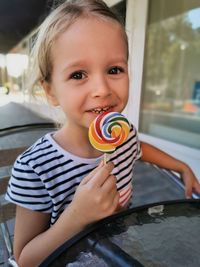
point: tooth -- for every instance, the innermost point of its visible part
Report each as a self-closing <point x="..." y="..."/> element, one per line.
<point x="100" y="110"/>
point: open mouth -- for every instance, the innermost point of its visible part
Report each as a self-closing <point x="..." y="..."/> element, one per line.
<point x="100" y="110"/>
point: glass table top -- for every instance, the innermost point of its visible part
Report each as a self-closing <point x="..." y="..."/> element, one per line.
<point x="165" y="234"/>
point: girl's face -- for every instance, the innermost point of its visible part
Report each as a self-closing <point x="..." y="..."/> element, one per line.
<point x="90" y="71"/>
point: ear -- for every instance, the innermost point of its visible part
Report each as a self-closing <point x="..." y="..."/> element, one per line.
<point x="50" y="93"/>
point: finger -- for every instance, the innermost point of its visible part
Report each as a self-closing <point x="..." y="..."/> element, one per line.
<point x="116" y="201"/>
<point x="91" y="174"/>
<point x="102" y="175"/>
<point x="113" y="201"/>
<point x="110" y="184"/>
<point x="188" y="189"/>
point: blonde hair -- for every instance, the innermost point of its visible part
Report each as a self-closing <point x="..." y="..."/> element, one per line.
<point x="57" y="23"/>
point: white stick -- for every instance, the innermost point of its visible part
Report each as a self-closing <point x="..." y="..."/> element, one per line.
<point x="105" y="158"/>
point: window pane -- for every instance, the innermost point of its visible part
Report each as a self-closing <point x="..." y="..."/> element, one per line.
<point x="170" y="107"/>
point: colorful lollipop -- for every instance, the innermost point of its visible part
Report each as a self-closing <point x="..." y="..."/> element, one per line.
<point x="108" y="131"/>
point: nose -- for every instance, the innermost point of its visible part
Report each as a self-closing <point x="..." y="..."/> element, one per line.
<point x="100" y="87"/>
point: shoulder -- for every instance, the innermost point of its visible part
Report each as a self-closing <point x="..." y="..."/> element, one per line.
<point x="41" y="148"/>
<point x="131" y="142"/>
<point x="132" y="138"/>
<point x="24" y="166"/>
<point x="133" y="130"/>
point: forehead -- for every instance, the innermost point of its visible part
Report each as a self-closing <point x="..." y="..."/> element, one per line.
<point x="91" y="32"/>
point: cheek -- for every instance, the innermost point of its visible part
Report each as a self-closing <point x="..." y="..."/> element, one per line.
<point x="126" y="96"/>
<point x="125" y="89"/>
<point x="71" y="99"/>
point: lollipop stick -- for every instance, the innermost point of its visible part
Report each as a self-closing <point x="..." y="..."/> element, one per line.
<point x="105" y="158"/>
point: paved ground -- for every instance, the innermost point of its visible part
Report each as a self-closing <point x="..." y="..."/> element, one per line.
<point x="150" y="185"/>
<point x="14" y="114"/>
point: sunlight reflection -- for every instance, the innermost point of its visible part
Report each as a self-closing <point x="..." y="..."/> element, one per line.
<point x="16" y="64"/>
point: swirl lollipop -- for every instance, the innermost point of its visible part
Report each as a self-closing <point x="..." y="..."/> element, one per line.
<point x="108" y="131"/>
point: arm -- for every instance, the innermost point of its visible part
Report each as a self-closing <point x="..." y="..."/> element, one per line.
<point x="95" y="198"/>
<point x="34" y="240"/>
<point x="155" y="156"/>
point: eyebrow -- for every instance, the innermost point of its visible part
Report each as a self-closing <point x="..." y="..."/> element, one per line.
<point x="73" y="65"/>
<point x="78" y="64"/>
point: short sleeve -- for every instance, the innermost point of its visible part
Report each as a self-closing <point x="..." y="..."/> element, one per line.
<point x="26" y="189"/>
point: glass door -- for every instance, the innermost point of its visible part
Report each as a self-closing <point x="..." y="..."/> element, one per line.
<point x="170" y="98"/>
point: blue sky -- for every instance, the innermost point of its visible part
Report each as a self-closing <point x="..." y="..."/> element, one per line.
<point x="194" y="17"/>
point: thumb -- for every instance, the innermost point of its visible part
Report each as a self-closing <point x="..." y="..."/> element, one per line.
<point x="87" y="178"/>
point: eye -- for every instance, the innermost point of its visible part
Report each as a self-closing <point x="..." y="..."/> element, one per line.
<point x="115" y="70"/>
<point x="77" y="75"/>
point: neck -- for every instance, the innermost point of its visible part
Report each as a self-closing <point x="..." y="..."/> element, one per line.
<point x="76" y="142"/>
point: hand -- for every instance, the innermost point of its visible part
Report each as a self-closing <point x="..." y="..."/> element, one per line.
<point x="96" y="197"/>
<point x="190" y="181"/>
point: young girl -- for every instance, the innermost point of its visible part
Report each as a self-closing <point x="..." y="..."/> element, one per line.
<point x="60" y="184"/>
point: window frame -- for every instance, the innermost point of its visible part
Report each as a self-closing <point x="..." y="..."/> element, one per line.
<point x="136" y="25"/>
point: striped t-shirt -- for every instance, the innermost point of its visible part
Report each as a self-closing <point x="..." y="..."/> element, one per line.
<point x="45" y="177"/>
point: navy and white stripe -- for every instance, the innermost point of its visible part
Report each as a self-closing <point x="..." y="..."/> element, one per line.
<point x="45" y="177"/>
